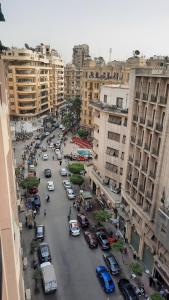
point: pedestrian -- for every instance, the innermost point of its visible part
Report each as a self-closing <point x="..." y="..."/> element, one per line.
<point x="68" y="217"/>
<point x="151" y="281"/>
<point x="70" y="210"/>
<point x="53" y="158"/>
<point x="44" y="212"/>
<point x="39" y="179"/>
<point x="60" y="162"/>
<point x="34" y="213"/>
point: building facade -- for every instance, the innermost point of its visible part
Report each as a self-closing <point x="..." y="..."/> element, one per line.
<point x="35" y="81"/>
<point x="80" y="53"/>
<point x="145" y="189"/>
<point x="11" y="277"/>
<point x="110" y="130"/>
<point x="72" y="76"/>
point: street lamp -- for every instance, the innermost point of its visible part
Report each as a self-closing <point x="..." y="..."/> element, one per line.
<point x="2" y="19"/>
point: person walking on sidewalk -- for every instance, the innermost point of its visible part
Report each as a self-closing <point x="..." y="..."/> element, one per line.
<point x="44" y="212"/>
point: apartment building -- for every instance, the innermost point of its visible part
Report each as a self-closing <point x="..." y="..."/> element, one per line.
<point x="11" y="277"/>
<point x="94" y="76"/>
<point x="72" y="76"/>
<point x="80" y="53"/>
<point x="35" y="81"/>
<point x="110" y="130"/>
<point x="145" y="189"/>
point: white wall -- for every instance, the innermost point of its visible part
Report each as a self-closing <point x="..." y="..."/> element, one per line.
<point x="113" y="92"/>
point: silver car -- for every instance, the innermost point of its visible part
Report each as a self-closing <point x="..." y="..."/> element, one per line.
<point x="70" y="194"/>
<point x="63" y="172"/>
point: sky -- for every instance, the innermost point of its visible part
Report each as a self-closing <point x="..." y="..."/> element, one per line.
<point x="123" y="25"/>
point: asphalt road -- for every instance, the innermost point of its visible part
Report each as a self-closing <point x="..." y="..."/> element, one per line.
<point x="73" y="261"/>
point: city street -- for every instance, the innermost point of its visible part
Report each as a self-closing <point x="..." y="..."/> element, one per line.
<point x="73" y="261"/>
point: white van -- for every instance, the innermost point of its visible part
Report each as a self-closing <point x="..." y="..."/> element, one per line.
<point x="48" y="278"/>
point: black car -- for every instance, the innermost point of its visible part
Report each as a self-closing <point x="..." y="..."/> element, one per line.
<point x="44" y="253"/>
<point x="47" y="173"/>
<point x="103" y="240"/>
<point x="40" y="232"/>
<point x="37" y="202"/>
<point x="112" y="263"/>
<point x="91" y="239"/>
<point x="127" y="289"/>
<point x="83" y="221"/>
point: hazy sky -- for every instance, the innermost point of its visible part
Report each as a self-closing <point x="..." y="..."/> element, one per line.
<point x="123" y="25"/>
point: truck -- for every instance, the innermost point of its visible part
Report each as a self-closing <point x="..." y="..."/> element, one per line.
<point x="48" y="278"/>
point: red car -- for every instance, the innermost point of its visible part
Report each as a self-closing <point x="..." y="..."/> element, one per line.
<point x="82" y="158"/>
<point x="33" y="190"/>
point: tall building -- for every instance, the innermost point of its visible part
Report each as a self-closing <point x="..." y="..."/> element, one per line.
<point x="35" y="81"/>
<point x="72" y="77"/>
<point x="80" y="53"/>
<point x="11" y="277"/>
<point x="145" y="189"/>
<point x="109" y="142"/>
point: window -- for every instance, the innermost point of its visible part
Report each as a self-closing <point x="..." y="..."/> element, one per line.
<point x="85" y="94"/>
<point x="119" y="102"/>
<point x="114" y="120"/>
<point x="85" y="84"/>
<point x="112" y="152"/>
<point x="111" y="167"/>
<point x="105" y="98"/>
<point x="122" y="156"/>
<point x="124" y="139"/>
<point x="121" y="171"/>
<point x="96" y="95"/>
<point x="114" y="136"/>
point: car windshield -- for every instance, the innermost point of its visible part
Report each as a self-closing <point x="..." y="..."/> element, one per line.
<point x="39" y="230"/>
<point x="104" y="237"/>
<point x="45" y="251"/>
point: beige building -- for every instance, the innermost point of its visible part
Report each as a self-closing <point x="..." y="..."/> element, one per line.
<point x="72" y="76"/>
<point x="11" y="276"/>
<point x="145" y="190"/>
<point x="80" y="53"/>
<point x="35" y="81"/>
<point x="110" y="130"/>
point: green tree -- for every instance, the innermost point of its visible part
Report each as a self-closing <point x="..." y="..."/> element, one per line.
<point x="156" y="296"/>
<point x="136" y="268"/>
<point x="102" y="216"/>
<point x="76" y="108"/>
<point x="76" y="168"/>
<point x="77" y="179"/>
<point x="29" y="182"/>
<point x="67" y="120"/>
<point x="83" y="133"/>
<point x="118" y="246"/>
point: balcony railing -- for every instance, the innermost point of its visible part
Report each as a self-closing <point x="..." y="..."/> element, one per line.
<point x="152" y="174"/>
<point x="137" y="163"/>
<point x="135" y="118"/>
<point x="159" y="127"/>
<point x="155" y="152"/>
<point x="139" y="143"/>
<point x="137" y="95"/>
<point x="153" y="98"/>
<point x="147" y="147"/>
<point x="163" y="100"/>
<point x="149" y="123"/>
<point x="133" y="139"/>
<point x="145" y="97"/>
<point x="142" y="120"/>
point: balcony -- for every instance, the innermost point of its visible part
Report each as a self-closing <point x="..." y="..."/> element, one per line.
<point x="130" y="158"/>
<point x="152" y="175"/>
<point x="159" y="127"/>
<point x="163" y="100"/>
<point x="142" y="120"/>
<point x="149" y="195"/>
<point x="129" y="177"/>
<point x="145" y="97"/>
<point x="146" y="147"/>
<point x="155" y="152"/>
<point x="149" y="124"/>
<point x="139" y="143"/>
<point x="135" y="182"/>
<point x="153" y="99"/>
<point x="137" y="95"/>
<point x="144" y="169"/>
<point x="137" y="163"/>
<point x="133" y="139"/>
<point x="135" y="118"/>
<point x="141" y="189"/>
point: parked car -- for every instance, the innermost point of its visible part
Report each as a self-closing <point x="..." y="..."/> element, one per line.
<point x="47" y="133"/>
<point x="83" y="221"/>
<point x="45" y="156"/>
<point x="111" y="263"/>
<point x="51" y="186"/>
<point x="37" y="202"/>
<point x="57" y="151"/>
<point x="33" y="190"/>
<point x="57" y="145"/>
<point x="60" y="126"/>
<point x="63" y="172"/>
<point x="59" y="156"/>
<point x="48" y="278"/>
<point x="44" y="253"/>
<point x="67" y="184"/>
<point x="44" y="149"/>
<point x="103" y="240"/>
<point x="105" y="279"/>
<point x="91" y="239"/>
<point x="70" y="194"/>
<point x="127" y="289"/>
<point x="40" y="232"/>
<point x="51" y="145"/>
<point x="74" y="228"/>
<point x="47" y="173"/>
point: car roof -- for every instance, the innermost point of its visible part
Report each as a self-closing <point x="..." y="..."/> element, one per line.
<point x="72" y="221"/>
<point x="50" y="182"/>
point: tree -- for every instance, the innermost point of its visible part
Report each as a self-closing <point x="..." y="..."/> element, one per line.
<point x="118" y="246"/>
<point x="77" y="179"/>
<point x="83" y="133"/>
<point x="136" y="268"/>
<point x="76" y="168"/>
<point x="67" y="120"/>
<point x="76" y="108"/>
<point x="102" y="216"/>
<point x="37" y="277"/>
<point x="156" y="296"/>
<point x="29" y="182"/>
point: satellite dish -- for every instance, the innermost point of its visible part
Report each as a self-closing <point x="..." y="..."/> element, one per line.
<point x="136" y="52"/>
<point x="26" y="46"/>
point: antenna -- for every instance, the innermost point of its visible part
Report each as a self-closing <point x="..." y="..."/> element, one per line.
<point x="110" y="53"/>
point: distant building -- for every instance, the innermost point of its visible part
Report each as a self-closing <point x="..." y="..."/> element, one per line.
<point x="35" y="81"/>
<point x="80" y="53"/>
<point x="72" y="77"/>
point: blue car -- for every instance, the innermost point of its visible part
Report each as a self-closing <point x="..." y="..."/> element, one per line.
<point x="105" y="279"/>
<point x="37" y="202"/>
